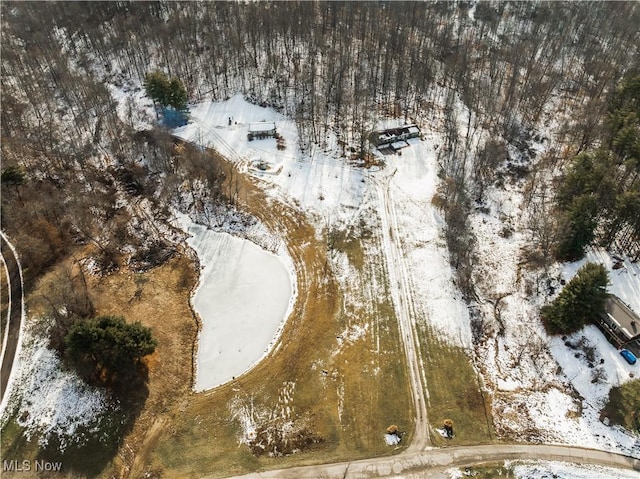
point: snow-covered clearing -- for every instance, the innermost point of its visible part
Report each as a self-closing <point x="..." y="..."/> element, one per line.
<point x="338" y="195"/>
<point x="52" y="403"/>
<point x="243" y="299"/>
<point x="316" y="180"/>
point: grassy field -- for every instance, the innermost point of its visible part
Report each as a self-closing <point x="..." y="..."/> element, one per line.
<point x="454" y="393"/>
<point x="163" y="304"/>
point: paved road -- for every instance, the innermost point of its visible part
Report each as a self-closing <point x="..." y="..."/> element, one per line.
<point x="10" y="342"/>
<point x="432" y="463"/>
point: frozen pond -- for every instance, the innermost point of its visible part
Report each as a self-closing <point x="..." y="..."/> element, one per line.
<point x="242" y="299"/>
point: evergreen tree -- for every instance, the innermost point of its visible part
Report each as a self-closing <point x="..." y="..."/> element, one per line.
<point x="580" y="302"/>
<point x="157" y="86"/>
<point x="176" y="95"/>
<point x="589" y="173"/>
<point x="601" y="188"/>
<point x="165" y="91"/>
<point x="12" y="175"/>
<point x="624" y="120"/>
<point x="623" y="405"/>
<point x="106" y="348"/>
<point x="577" y="226"/>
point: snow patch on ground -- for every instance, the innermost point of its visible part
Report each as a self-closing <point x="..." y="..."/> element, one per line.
<point x="51" y="402"/>
<point x="591" y="363"/>
<point x="133" y="107"/>
<point x="547" y="469"/>
<point x="392" y="439"/>
<point x="552" y="469"/>
<point x="353" y="333"/>
<point x="248" y="415"/>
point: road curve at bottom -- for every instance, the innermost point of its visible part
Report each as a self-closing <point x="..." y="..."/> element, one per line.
<point x="434" y="461"/>
<point x="14" y="324"/>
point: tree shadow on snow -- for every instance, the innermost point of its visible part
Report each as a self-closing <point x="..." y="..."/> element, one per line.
<point x="93" y="447"/>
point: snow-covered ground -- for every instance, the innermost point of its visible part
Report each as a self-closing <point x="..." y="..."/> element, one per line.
<point x="318" y="181"/>
<point x="243" y="298"/>
<point x="411" y="181"/>
<point x="546" y="389"/>
<point x="51" y="402"/>
<point x="555" y="470"/>
<point x="336" y="193"/>
<point x="134" y="108"/>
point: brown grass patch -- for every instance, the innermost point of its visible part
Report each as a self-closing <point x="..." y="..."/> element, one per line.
<point x="4" y="299"/>
<point x="159" y="299"/>
<point x="455" y="393"/>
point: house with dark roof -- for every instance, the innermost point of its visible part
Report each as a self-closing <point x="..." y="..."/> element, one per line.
<point x="394" y="138"/>
<point x="621" y="324"/>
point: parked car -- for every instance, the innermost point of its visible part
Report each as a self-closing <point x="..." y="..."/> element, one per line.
<point x="628" y="356"/>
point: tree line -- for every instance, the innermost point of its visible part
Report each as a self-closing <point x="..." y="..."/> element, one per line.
<point x="338" y="66"/>
<point x="598" y="197"/>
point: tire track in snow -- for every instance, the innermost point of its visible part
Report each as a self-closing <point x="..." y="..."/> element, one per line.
<point x="216" y="141"/>
<point x="401" y="295"/>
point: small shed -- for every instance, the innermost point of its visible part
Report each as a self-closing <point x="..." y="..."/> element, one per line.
<point x="413" y="131"/>
<point x="262" y="129"/>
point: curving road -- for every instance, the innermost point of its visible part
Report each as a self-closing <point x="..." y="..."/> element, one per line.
<point x="432" y="463"/>
<point x="11" y="335"/>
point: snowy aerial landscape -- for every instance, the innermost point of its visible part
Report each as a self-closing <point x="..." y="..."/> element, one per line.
<point x="301" y="261"/>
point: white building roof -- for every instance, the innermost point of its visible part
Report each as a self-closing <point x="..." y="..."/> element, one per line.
<point x="399" y="144"/>
<point x="262" y="126"/>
